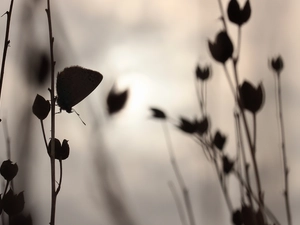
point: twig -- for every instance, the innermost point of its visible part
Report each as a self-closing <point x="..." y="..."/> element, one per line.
<point x="52" y="158"/>
<point x="6" y="44"/>
<point x="179" y="177"/>
<point x="284" y="156"/>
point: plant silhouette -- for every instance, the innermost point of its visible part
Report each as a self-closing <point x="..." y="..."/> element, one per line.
<point x="249" y="101"/>
<point x="74" y="83"/>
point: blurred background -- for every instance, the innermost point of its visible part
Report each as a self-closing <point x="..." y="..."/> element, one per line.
<point x="119" y="168"/>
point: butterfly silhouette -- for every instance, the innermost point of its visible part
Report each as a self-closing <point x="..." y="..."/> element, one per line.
<point x="74" y="84"/>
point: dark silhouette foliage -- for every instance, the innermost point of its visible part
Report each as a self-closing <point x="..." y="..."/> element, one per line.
<point x="62" y="151"/>
<point x="158" y="114"/>
<point x="252" y="98"/>
<point x="116" y="100"/>
<point x="236" y="14"/>
<point x="41" y="107"/>
<point x="8" y="170"/>
<point x="221" y="49"/>
<point x="13" y="204"/>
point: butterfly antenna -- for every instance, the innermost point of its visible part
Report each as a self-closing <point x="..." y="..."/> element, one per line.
<point x="78" y="116"/>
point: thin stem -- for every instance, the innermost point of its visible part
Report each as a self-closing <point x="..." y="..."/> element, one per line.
<point x="284" y="156"/>
<point x="44" y="134"/>
<point x="52" y="158"/>
<point x="179" y="177"/>
<point x="239" y="155"/>
<point x="254" y="132"/>
<point x="6" y="44"/>
<point x="244" y="160"/>
<point x="60" y="177"/>
<point x="177" y="202"/>
<point x="250" y="143"/>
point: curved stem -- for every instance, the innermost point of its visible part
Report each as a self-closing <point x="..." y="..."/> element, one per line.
<point x="6" y="44"/>
<point x="60" y="177"/>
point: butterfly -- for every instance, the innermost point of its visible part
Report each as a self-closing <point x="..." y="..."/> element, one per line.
<point x="74" y="84"/>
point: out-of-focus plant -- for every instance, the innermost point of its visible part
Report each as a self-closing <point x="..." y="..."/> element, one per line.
<point x="249" y="101"/>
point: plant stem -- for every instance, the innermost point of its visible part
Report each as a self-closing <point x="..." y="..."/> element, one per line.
<point x="52" y="158"/>
<point x="60" y="177"/>
<point x="44" y="134"/>
<point x="254" y="132"/>
<point x="6" y="44"/>
<point x="223" y="185"/>
<point x="179" y="177"/>
<point x="284" y="156"/>
<point x="244" y="160"/>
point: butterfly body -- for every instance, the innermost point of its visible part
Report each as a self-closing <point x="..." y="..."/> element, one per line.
<point x="74" y="84"/>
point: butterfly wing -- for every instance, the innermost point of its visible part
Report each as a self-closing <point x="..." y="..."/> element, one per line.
<point x="74" y="84"/>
